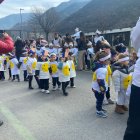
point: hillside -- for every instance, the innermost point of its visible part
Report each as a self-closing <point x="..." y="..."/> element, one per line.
<point x="63" y="10"/>
<point x="9" y="21"/>
<point x="66" y="9"/>
<point x="102" y="14"/>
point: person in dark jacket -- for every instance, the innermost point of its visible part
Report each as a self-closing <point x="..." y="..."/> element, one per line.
<point x="19" y="45"/>
<point x="82" y="46"/>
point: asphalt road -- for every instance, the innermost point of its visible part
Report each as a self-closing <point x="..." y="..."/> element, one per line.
<point x="32" y="115"/>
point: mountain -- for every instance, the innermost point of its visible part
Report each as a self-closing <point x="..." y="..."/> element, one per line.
<point x="9" y="21"/>
<point x="102" y="15"/>
<point x="66" y="9"/>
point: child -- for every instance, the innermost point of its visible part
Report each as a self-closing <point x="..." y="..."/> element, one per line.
<point x="100" y="81"/>
<point x="8" y="65"/>
<point x="107" y="48"/>
<point x="31" y="66"/>
<point x="14" y="67"/>
<point x="54" y="71"/>
<point x="2" y="67"/>
<point x="64" y="73"/>
<point x="121" y="79"/>
<point x="74" y="51"/>
<point x="72" y="70"/>
<point x="52" y="49"/>
<point x="44" y="75"/>
<point x="90" y="54"/>
<point x="23" y="61"/>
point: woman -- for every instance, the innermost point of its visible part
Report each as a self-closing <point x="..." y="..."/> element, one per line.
<point x="82" y="45"/>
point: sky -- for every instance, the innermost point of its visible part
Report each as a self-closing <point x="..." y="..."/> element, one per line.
<point x="13" y="6"/>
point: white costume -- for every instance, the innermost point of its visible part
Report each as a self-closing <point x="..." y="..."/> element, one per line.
<point x="100" y="73"/>
<point x="31" y="65"/>
<point x="43" y="67"/>
<point x="121" y="81"/>
<point x="72" y="69"/>
<point x="23" y="60"/>
<point x="64" y="74"/>
<point x="54" y="68"/>
<point x="2" y="59"/>
<point x="14" y="68"/>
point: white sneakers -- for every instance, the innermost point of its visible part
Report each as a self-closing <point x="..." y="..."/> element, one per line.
<point x="46" y="91"/>
<point x="54" y="89"/>
<point x="42" y="90"/>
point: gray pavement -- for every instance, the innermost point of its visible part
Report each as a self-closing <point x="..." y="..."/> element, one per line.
<point x="32" y="115"/>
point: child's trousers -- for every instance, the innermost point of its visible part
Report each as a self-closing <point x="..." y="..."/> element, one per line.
<point x="72" y="81"/>
<point x="44" y="84"/>
<point x="64" y="86"/>
<point x="99" y="100"/>
<point x="55" y="81"/>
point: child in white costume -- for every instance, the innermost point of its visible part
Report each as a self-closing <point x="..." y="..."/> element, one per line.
<point x="23" y="62"/>
<point x="44" y="74"/>
<point x="64" y="74"/>
<point x="14" y="67"/>
<point x="72" y="70"/>
<point x="31" y="67"/>
<point x="100" y="81"/>
<point x="2" y="67"/>
<point x="121" y="79"/>
<point x="54" y="71"/>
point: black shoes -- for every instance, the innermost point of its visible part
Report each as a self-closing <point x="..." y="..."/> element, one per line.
<point x="1" y="123"/>
<point x="65" y="93"/>
<point x="31" y="88"/>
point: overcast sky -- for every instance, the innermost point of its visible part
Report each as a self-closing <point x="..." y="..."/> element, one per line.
<point x="13" y="6"/>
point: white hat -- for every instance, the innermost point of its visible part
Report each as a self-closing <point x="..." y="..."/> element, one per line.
<point x="89" y="43"/>
<point x="98" y="32"/>
<point x="52" y="54"/>
<point x="77" y="29"/>
<point x="71" y="44"/>
<point x="51" y="44"/>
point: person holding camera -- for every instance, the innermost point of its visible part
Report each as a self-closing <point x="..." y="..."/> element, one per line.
<point x="6" y="43"/>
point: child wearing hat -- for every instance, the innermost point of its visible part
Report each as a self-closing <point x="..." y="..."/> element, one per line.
<point x="100" y="81"/>
<point x="43" y="67"/>
<point x="54" y="71"/>
<point x="107" y="48"/>
<point x="31" y="67"/>
<point x="23" y="62"/>
<point x="64" y="73"/>
<point x="121" y="79"/>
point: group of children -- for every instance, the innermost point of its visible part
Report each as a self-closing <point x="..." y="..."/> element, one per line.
<point x="47" y="62"/>
<point x="42" y="66"/>
<point x="116" y="64"/>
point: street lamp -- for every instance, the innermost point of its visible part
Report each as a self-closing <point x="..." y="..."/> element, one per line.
<point x="21" y="22"/>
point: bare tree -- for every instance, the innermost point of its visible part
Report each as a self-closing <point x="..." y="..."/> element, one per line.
<point x="44" y="21"/>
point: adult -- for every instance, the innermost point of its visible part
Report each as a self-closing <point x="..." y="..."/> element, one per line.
<point x="57" y="41"/>
<point x="6" y="46"/>
<point x="82" y="46"/>
<point x="19" y="45"/>
<point x="98" y="37"/>
<point x="133" y="125"/>
<point x="77" y="34"/>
